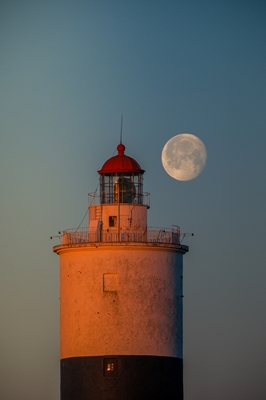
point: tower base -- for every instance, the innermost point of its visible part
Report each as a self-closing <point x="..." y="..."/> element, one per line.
<point x="122" y="378"/>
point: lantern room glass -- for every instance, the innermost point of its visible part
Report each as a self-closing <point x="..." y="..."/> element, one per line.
<point x="123" y="188"/>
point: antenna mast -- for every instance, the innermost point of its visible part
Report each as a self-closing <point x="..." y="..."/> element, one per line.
<point x="121" y="129"/>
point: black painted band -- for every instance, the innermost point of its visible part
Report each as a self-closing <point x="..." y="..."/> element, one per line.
<point x="122" y="378"/>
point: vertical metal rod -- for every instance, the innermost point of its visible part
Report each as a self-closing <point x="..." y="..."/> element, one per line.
<point x="121" y="128"/>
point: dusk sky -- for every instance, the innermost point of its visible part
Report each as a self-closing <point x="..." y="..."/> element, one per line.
<point x="68" y="70"/>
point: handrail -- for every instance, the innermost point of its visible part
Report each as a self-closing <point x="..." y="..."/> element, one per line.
<point x="84" y="235"/>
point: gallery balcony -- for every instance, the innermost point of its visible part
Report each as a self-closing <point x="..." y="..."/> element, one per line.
<point x="159" y="236"/>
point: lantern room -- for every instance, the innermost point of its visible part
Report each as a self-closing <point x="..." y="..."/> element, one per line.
<point x="121" y="180"/>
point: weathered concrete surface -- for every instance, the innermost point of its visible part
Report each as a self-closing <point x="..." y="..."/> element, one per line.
<point x="123" y="300"/>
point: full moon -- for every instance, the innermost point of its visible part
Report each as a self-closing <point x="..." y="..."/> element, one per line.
<point x="184" y="157"/>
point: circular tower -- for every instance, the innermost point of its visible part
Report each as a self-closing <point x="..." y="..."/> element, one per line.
<point x="121" y="296"/>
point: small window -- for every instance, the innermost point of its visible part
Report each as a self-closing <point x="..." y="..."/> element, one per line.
<point x="110" y="282"/>
<point x="113" y="221"/>
<point x="110" y="367"/>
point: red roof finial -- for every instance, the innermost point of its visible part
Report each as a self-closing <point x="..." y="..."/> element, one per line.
<point x="121" y="148"/>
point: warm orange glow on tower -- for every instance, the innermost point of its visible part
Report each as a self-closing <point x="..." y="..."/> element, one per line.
<point x="121" y="296"/>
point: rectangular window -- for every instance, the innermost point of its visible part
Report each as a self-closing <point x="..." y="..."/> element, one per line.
<point x="113" y="221"/>
<point x="110" y="367"/>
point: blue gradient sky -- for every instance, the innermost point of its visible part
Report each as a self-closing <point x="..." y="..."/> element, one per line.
<point x="67" y="72"/>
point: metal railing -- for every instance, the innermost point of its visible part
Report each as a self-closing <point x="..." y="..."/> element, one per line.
<point x="84" y="235"/>
<point x="109" y="198"/>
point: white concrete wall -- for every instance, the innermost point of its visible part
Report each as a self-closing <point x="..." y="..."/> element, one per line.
<point x="132" y="217"/>
<point x="122" y="300"/>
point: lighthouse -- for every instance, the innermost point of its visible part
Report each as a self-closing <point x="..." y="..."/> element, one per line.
<point x="121" y="297"/>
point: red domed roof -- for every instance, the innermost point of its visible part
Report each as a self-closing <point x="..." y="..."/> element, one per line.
<point x="120" y="163"/>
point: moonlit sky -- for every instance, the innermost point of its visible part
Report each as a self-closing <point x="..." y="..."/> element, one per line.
<point x="68" y="70"/>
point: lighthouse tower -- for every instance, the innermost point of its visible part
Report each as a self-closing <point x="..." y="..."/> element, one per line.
<point x="121" y="296"/>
